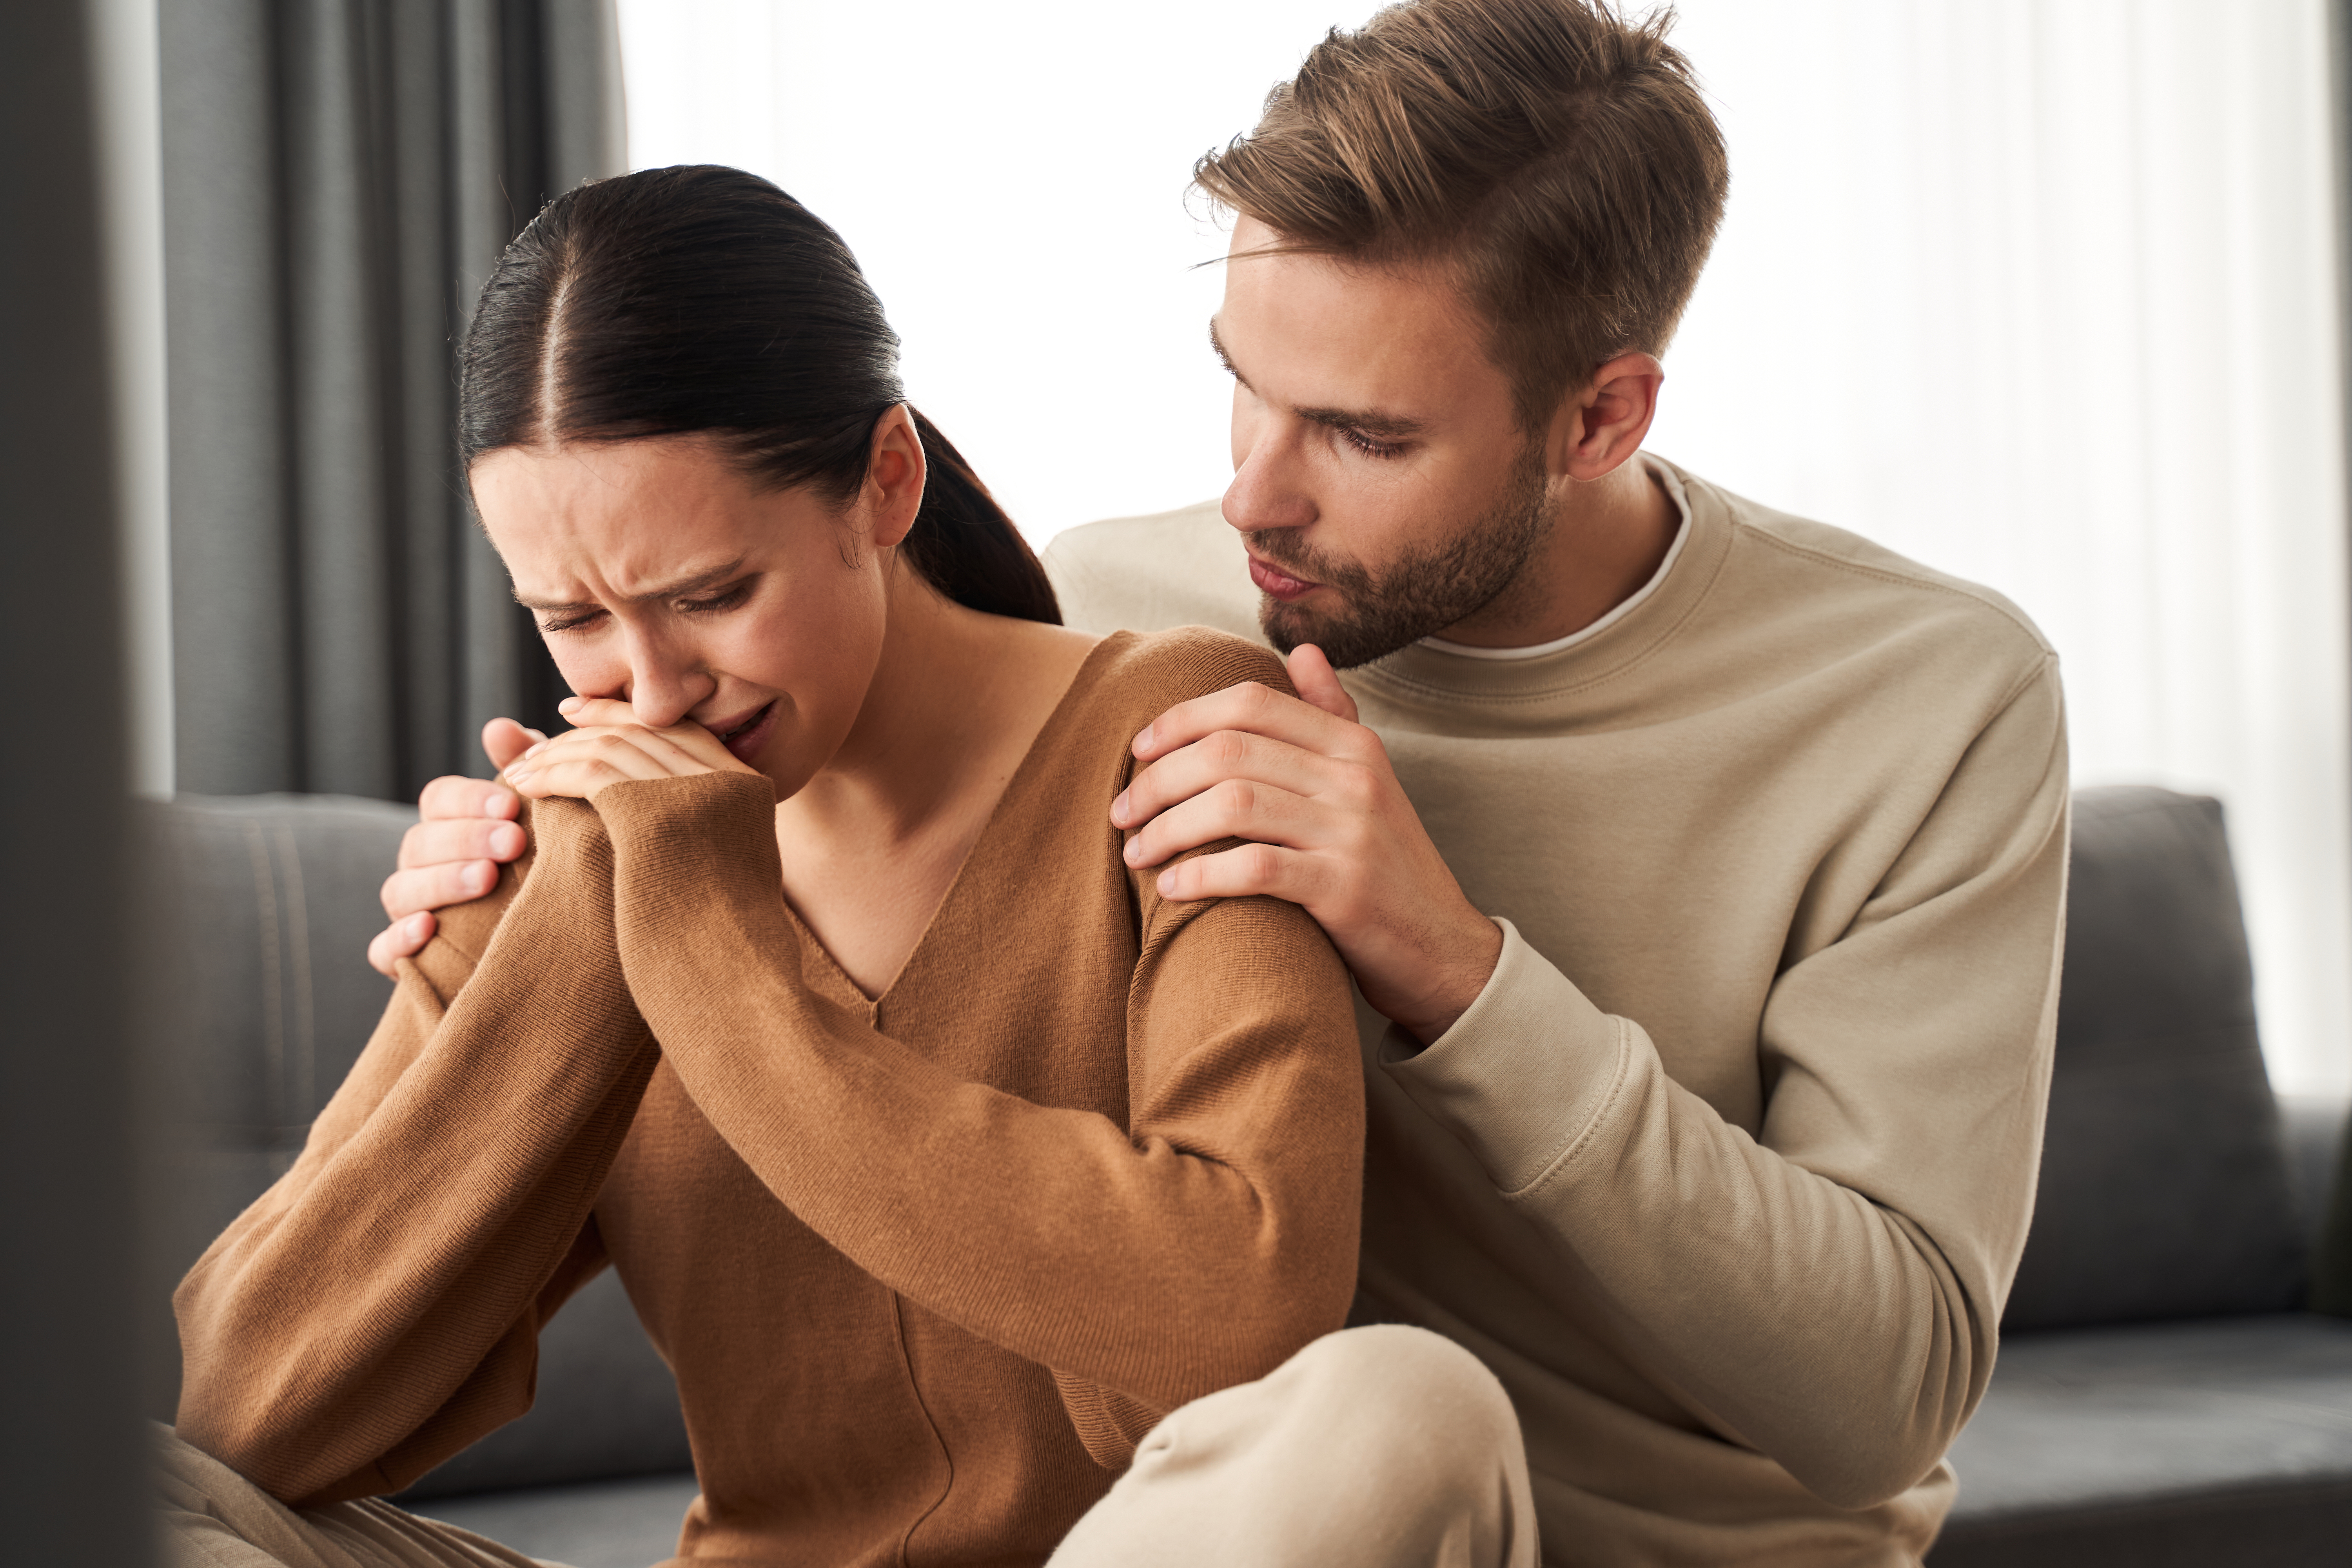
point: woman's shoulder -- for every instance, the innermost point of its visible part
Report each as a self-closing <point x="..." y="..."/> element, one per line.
<point x="1148" y="672"/>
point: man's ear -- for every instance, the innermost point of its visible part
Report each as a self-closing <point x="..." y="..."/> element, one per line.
<point x="1602" y="423"/>
<point x="895" y="474"/>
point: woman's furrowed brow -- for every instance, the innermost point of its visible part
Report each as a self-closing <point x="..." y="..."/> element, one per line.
<point x="717" y="576"/>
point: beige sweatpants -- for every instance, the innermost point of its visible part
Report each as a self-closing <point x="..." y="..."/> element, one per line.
<point x="1375" y="1447"/>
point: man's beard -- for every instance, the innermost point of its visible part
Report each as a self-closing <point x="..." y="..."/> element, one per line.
<point x="1419" y="594"/>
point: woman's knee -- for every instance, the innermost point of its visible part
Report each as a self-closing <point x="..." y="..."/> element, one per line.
<point x="1418" y="1386"/>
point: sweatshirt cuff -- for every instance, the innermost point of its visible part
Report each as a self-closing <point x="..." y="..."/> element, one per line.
<point x="1523" y="1074"/>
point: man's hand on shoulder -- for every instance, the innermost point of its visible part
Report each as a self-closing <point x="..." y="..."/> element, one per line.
<point x="1330" y="831"/>
<point x="466" y="828"/>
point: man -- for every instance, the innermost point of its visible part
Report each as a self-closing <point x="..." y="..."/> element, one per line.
<point x="1701" y="868"/>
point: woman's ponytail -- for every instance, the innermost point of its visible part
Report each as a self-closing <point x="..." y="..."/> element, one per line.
<point x="966" y="547"/>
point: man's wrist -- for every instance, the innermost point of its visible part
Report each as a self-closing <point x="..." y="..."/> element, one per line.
<point x="1473" y="952"/>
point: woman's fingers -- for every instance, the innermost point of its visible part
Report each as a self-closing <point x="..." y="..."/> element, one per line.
<point x="586" y="712"/>
<point x="503" y="740"/>
<point x="579" y="762"/>
<point x="692" y="740"/>
<point x="679" y="753"/>
<point x="400" y="939"/>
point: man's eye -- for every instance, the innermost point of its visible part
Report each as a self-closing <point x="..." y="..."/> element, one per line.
<point x="570" y="622"/>
<point x="1370" y="448"/>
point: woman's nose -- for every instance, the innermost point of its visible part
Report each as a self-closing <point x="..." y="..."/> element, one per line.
<point x="665" y="690"/>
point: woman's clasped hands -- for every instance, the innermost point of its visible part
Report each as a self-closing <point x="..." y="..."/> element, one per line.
<point x="608" y="746"/>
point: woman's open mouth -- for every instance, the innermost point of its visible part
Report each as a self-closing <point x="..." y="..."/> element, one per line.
<point x="744" y="740"/>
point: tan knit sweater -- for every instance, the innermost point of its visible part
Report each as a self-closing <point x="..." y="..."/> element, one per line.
<point x="1726" y="1171"/>
<point x="925" y="1266"/>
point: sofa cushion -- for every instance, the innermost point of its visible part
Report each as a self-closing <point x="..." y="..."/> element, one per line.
<point x="2224" y="1441"/>
<point x="2165" y="1189"/>
<point x="265" y="907"/>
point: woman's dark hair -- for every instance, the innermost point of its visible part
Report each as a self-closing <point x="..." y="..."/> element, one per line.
<point x="700" y="299"/>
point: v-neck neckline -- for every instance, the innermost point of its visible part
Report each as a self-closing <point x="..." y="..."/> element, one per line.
<point x="1079" y="680"/>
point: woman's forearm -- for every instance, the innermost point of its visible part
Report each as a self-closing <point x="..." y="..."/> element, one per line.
<point x="377" y="1308"/>
<point x="1196" y="1246"/>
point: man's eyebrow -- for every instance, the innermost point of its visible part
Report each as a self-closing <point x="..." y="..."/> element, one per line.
<point x="716" y="578"/>
<point x="1366" y="421"/>
<point x="1223" y="358"/>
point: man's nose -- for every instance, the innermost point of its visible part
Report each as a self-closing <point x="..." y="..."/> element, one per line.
<point x="1270" y="486"/>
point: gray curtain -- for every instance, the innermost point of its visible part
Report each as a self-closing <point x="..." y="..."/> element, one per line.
<point x="339" y="177"/>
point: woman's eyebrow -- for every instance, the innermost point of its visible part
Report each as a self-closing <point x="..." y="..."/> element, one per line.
<point x="715" y="577"/>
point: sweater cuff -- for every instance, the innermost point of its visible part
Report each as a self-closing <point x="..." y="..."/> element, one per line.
<point x="1523" y="1074"/>
<point x="693" y="835"/>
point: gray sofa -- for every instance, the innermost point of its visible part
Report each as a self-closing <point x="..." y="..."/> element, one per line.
<point x="2161" y="1398"/>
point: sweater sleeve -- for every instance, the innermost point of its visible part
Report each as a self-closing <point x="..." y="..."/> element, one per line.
<point x="378" y="1309"/>
<point x="1828" y="1292"/>
<point x="1196" y="1248"/>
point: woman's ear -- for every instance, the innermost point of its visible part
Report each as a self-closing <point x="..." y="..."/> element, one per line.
<point x="894" y="472"/>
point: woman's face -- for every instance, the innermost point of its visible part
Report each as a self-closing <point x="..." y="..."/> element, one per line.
<point x="660" y="577"/>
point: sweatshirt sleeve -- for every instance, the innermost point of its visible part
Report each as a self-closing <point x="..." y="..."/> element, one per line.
<point x="378" y="1309"/>
<point x="1198" y="1246"/>
<point x="1828" y="1292"/>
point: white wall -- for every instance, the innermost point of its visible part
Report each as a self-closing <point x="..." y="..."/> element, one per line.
<point x="2040" y="291"/>
<point x="1013" y="179"/>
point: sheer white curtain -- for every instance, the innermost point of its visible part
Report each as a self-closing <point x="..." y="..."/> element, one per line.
<point x="2041" y="292"/>
<point x="2044" y="293"/>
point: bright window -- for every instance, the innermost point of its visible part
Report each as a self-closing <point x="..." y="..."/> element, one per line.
<point x="2041" y="292"/>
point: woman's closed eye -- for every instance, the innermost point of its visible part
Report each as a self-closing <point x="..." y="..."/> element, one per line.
<point x="570" y="621"/>
<point x="727" y="598"/>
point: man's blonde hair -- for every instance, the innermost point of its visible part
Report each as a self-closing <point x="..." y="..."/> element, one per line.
<point x="1556" y="155"/>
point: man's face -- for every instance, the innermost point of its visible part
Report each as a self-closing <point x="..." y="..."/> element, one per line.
<point x="1382" y="482"/>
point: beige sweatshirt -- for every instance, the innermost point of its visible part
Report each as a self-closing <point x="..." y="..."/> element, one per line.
<point x="1727" y="1170"/>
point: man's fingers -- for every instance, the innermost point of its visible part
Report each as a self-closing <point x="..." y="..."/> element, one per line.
<point x="1212" y="759"/>
<point x="437" y="841"/>
<point x="455" y="795"/>
<point x="1318" y="683"/>
<point x="400" y="939"/>
<point x="1239" y="873"/>
<point x="1236" y="808"/>
<point x="1256" y="708"/>
<point x="436" y="887"/>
